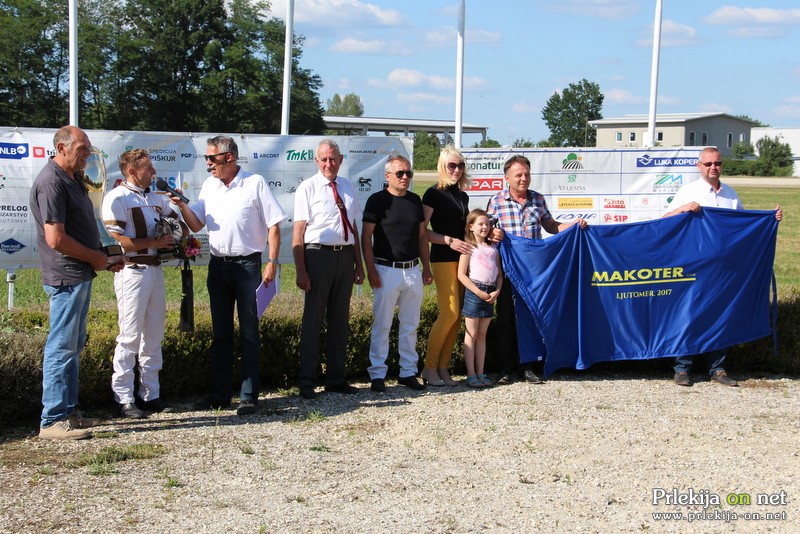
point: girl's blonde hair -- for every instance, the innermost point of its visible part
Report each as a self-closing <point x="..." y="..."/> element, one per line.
<point x="472" y="216"/>
<point x="441" y="168"/>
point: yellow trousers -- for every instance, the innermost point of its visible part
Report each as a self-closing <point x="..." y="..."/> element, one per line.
<point x="450" y="297"/>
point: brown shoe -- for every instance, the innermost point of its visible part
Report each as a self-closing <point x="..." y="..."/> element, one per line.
<point x="78" y="421"/>
<point x="682" y="379"/>
<point x="63" y="430"/>
<point x="723" y="378"/>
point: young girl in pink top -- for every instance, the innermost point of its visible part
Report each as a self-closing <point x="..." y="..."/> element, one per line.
<point x="482" y="276"/>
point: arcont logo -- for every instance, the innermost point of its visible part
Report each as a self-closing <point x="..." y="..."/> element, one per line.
<point x="572" y="162"/>
<point x="14" y="150"/>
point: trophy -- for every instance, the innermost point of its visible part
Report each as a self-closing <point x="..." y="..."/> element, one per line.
<point x="96" y="179"/>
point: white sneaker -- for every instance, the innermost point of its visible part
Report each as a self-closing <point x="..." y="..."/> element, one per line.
<point x="63" y="430"/>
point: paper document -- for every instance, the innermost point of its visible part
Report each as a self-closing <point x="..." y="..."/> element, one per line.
<point x="264" y="295"/>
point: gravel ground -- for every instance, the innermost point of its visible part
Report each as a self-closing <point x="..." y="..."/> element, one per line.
<point x="580" y="453"/>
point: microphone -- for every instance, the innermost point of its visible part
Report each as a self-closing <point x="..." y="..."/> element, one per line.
<point x="161" y="185"/>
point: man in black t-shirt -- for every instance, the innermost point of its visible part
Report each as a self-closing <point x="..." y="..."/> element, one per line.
<point x="393" y="242"/>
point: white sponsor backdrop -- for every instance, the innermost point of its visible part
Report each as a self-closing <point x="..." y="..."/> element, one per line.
<point x="178" y="159"/>
<point x="603" y="186"/>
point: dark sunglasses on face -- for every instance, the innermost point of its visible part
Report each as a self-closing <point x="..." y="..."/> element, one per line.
<point x="400" y="174"/>
<point x="710" y="163"/>
<point x="210" y="157"/>
<point x="453" y="166"/>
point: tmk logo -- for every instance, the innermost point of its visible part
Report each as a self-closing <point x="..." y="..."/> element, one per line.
<point x="300" y="155"/>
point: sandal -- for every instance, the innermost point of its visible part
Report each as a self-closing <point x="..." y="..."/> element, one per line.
<point x="474" y="382"/>
<point x="486" y="381"/>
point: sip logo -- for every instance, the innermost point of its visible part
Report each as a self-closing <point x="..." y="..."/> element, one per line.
<point x="608" y="218"/>
<point x="13" y="150"/>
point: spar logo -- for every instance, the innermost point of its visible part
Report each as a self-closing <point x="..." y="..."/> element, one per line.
<point x="10" y="246"/>
<point x="572" y="163"/>
<point x="14" y="150"/>
<point x="486" y="184"/>
<point x="648" y="161"/>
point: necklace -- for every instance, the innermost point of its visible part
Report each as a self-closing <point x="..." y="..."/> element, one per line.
<point x="462" y="207"/>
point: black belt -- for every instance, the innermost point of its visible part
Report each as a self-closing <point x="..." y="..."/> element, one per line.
<point x="320" y="246"/>
<point x="397" y="264"/>
<point x="250" y="257"/>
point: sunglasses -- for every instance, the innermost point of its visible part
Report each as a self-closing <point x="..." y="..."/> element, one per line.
<point x="210" y="157"/>
<point x="400" y="174"/>
<point x="453" y="166"/>
<point x="710" y="163"/>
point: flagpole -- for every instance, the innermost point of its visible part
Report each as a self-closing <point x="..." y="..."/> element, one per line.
<point x="460" y="75"/>
<point x="287" y="67"/>
<point x="73" y="62"/>
<point x="650" y="136"/>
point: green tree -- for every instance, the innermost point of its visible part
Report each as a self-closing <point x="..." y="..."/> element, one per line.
<point x="523" y="143"/>
<point x="426" y="151"/>
<point x="742" y="150"/>
<point x="774" y="157"/>
<point x="489" y="143"/>
<point x="33" y="63"/>
<point x="567" y="114"/>
<point x="755" y="122"/>
<point x="348" y="106"/>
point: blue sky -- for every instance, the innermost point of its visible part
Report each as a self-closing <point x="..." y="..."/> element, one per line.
<point x="741" y="58"/>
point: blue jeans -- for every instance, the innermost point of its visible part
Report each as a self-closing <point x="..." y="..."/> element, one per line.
<point x="69" y="306"/>
<point x="715" y="359"/>
<point x="234" y="283"/>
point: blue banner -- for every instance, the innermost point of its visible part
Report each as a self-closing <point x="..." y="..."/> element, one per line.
<point x="682" y="285"/>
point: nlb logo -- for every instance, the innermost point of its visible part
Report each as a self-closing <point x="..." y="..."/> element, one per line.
<point x="486" y="184"/>
<point x="14" y="150"/>
<point x="647" y="161"/>
<point x="615" y="218"/>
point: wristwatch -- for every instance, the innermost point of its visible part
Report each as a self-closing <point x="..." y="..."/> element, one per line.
<point x="448" y="239"/>
<point x="270" y="260"/>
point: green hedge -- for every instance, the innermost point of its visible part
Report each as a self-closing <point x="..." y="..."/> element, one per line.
<point x="185" y="372"/>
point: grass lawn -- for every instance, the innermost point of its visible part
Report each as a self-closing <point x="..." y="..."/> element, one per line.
<point x="29" y="294"/>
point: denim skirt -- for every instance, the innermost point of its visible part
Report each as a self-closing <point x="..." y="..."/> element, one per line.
<point x="474" y="306"/>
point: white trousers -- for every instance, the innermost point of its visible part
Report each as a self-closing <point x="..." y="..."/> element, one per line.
<point x="142" y="307"/>
<point x="400" y="288"/>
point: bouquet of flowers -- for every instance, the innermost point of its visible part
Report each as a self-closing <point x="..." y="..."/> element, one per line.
<point x="187" y="248"/>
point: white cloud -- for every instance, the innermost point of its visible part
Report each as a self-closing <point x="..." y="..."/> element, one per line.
<point x="422" y="97"/>
<point x="448" y="35"/>
<point x="623" y="96"/>
<point x="715" y="108"/>
<point x="406" y="77"/>
<point x="748" y="16"/>
<point x="669" y="100"/>
<point x="524" y="107"/>
<point x="339" y="13"/>
<point x="415" y="78"/>
<point x="793" y="100"/>
<point x="350" y="45"/>
<point x="672" y="34"/>
<point x="786" y="111"/>
<point x="750" y="22"/>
